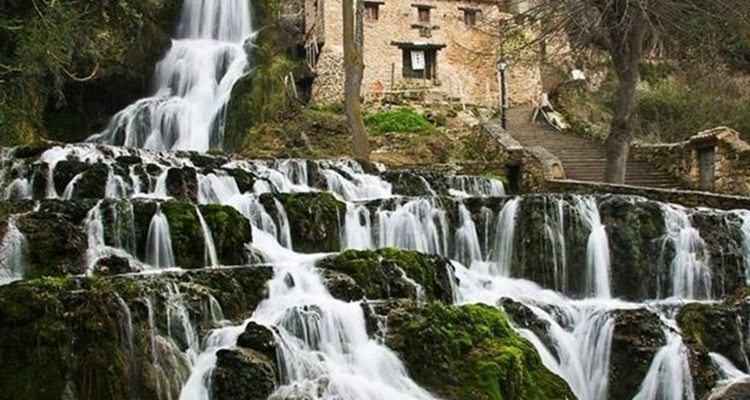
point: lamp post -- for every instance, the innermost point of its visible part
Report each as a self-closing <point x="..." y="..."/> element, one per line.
<point x="501" y="67"/>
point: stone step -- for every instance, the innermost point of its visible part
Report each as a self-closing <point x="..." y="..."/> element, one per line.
<point x="582" y="159"/>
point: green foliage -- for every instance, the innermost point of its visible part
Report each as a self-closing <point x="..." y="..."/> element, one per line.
<point x="45" y="46"/>
<point x="473" y="353"/>
<point x="263" y="95"/>
<point x="671" y="112"/>
<point x="654" y="72"/>
<point x="400" y="120"/>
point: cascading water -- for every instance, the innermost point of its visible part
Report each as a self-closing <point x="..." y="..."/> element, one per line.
<point x="323" y="341"/>
<point x="193" y="81"/>
<point x="597" y="250"/>
<point x="745" y="218"/>
<point x="210" y="257"/>
<point x="689" y="268"/>
<point x="323" y="344"/>
<point x="13" y="253"/>
<point x="669" y="376"/>
<point x="502" y="251"/>
<point x="159" y="242"/>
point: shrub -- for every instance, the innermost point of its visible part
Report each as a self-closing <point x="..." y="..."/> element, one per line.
<point x="400" y="120"/>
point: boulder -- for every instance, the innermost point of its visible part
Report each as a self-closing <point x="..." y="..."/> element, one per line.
<point x="391" y="273"/>
<point x="182" y="184"/>
<point x="472" y="353"/>
<point x="242" y="374"/>
<point x="737" y="390"/>
<point x="637" y="337"/>
<point x="314" y="219"/>
<point x="259" y="338"/>
<point x="633" y="228"/>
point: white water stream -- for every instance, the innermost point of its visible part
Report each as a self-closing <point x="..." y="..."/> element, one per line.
<point x="325" y="350"/>
<point x="193" y="82"/>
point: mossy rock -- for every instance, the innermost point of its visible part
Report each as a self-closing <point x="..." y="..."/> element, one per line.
<point x="188" y="243"/>
<point x="723" y="235"/>
<point x="710" y="328"/>
<point x="314" y="219"/>
<point x="56" y="246"/>
<point x="472" y="353"/>
<point x="230" y="231"/>
<point x="380" y="273"/>
<point x="637" y="336"/>
<point x="61" y="338"/>
<point x="242" y="374"/>
<point x="633" y="229"/>
<point x="93" y="182"/>
<point x="182" y="184"/>
<point x="535" y="251"/>
<point x="65" y="171"/>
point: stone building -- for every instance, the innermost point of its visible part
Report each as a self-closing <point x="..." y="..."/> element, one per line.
<point x="449" y="47"/>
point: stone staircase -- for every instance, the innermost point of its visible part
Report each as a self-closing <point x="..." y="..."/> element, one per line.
<point x="582" y="159"/>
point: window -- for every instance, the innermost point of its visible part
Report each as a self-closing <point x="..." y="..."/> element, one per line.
<point x="470" y="17"/>
<point x="423" y="15"/>
<point x="372" y="11"/>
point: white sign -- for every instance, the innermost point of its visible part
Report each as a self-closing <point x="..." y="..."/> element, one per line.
<point x="417" y="60"/>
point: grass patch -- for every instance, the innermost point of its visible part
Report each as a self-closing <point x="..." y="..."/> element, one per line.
<point x="400" y="120"/>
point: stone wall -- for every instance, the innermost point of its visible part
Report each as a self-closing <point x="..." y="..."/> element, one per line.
<point x="731" y="166"/>
<point x="527" y="169"/>
<point x="686" y="198"/>
<point x="465" y="66"/>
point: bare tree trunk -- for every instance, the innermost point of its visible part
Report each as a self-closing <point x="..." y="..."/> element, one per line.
<point x="354" y="68"/>
<point x="627" y="37"/>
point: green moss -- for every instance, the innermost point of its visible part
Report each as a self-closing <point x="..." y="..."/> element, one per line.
<point x="379" y="273"/>
<point x="473" y="353"/>
<point x="230" y="231"/>
<point x="56" y="339"/>
<point x="262" y="95"/>
<point x="314" y="219"/>
<point x="188" y="244"/>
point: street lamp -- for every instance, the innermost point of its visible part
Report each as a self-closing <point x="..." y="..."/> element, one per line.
<point x="501" y="67"/>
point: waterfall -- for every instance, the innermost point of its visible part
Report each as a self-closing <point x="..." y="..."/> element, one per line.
<point x="745" y="218"/>
<point x="689" y="268"/>
<point x="95" y="236"/>
<point x="19" y="189"/>
<point x="467" y="241"/>
<point x="285" y="233"/>
<point x="214" y="189"/>
<point x="357" y="231"/>
<point x="597" y="249"/>
<point x="417" y="225"/>
<point x="13" y="253"/>
<point x="128" y="342"/>
<point x="159" y="242"/>
<point x="474" y="186"/>
<point x="324" y="348"/>
<point x="502" y="251"/>
<point x="71" y="187"/>
<point x="554" y="227"/>
<point x="668" y="377"/>
<point x="115" y="186"/>
<point x="210" y="258"/>
<point x="194" y="82"/>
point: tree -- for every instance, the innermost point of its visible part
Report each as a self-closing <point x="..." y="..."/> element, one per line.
<point x="625" y="30"/>
<point x="354" y="68"/>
